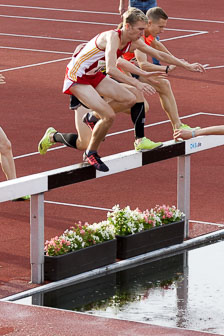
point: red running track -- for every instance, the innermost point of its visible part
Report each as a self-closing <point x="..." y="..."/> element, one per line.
<point x="32" y="100"/>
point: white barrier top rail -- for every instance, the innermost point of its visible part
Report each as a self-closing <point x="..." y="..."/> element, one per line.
<point x="42" y="182"/>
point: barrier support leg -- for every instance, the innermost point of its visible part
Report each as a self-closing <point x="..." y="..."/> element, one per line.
<point x="37" y="238"/>
<point x="183" y="189"/>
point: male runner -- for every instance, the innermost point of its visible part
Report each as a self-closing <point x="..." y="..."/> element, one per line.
<point x="157" y="21"/>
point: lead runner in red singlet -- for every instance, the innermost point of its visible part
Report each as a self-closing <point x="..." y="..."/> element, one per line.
<point x="85" y="81"/>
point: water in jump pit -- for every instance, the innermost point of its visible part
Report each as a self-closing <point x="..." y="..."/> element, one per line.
<point x="185" y="290"/>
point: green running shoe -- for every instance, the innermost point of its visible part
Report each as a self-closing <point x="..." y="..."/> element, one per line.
<point x="188" y="128"/>
<point x="45" y="142"/>
<point x="146" y="144"/>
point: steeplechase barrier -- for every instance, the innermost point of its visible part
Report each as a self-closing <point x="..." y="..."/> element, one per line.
<point x="37" y="184"/>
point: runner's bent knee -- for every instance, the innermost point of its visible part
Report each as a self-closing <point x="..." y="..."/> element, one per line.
<point x="109" y="117"/>
<point x="164" y="84"/>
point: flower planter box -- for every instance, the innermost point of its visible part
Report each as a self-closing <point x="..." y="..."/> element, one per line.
<point x="150" y="240"/>
<point x="83" y="260"/>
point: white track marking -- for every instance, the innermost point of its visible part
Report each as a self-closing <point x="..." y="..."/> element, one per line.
<point x="215" y="67"/>
<point x="107" y="209"/>
<point x="182" y="36"/>
<point x="45" y="51"/>
<point x="37" y="153"/>
<point x="57" y="20"/>
<point x="78" y="205"/>
<point x="97" y="12"/>
<point x="207" y="223"/>
<point x="70" y="21"/>
<point x="212" y="114"/>
<point x="186" y="30"/>
<point x="60" y="9"/>
<point x="43" y="37"/>
<point x="36" y="64"/>
<point x="195" y="20"/>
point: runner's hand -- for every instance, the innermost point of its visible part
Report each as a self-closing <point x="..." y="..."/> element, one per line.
<point x="171" y="68"/>
<point x="122" y="10"/>
<point x="145" y="88"/>
<point x="195" y="67"/>
<point x="183" y="134"/>
<point x="2" y="79"/>
<point x="152" y="76"/>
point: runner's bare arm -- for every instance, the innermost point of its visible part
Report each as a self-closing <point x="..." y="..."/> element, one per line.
<point x="122" y="7"/>
<point x="112" y="44"/>
<point x="159" y="46"/>
<point x="164" y="57"/>
<point x="145" y="65"/>
<point x="129" y="67"/>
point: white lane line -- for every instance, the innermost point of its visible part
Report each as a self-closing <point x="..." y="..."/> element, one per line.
<point x="212" y="114"/>
<point x="36" y="64"/>
<point x="182" y="36"/>
<point x="37" y="153"/>
<point x="56" y="20"/>
<point x="215" y="67"/>
<point x="207" y="223"/>
<point x="43" y="37"/>
<point x="60" y="9"/>
<point x="107" y="209"/>
<point x="195" y="20"/>
<point x="78" y="205"/>
<point x="186" y="30"/>
<point x="45" y="51"/>
<point x="69" y="21"/>
<point x="103" y="13"/>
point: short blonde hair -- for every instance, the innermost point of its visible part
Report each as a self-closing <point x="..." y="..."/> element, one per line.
<point x="133" y="15"/>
